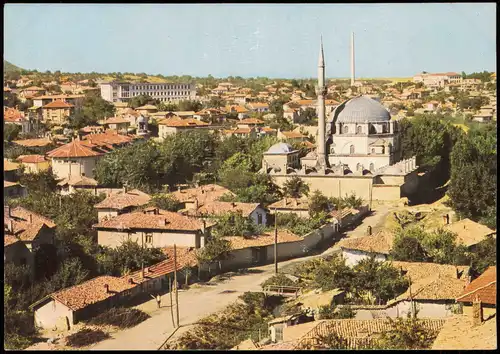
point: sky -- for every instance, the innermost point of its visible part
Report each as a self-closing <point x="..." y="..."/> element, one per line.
<point x="249" y="40"/>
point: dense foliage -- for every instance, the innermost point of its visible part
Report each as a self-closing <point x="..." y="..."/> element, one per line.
<point x="235" y="224"/>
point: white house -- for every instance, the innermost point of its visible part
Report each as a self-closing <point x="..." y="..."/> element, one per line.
<point x="356" y="249"/>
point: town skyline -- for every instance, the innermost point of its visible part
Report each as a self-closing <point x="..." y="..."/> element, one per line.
<point x="272" y="44"/>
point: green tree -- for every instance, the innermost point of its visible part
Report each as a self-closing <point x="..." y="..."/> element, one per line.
<point x="295" y="187"/>
<point x="472" y="188"/>
<point x="215" y="102"/>
<point x="407" y="246"/>
<point x="318" y="203"/>
<point x="235" y="224"/>
<point x="39" y="183"/>
<point x="216" y="249"/>
<point x="139" y="101"/>
<point x="11" y="131"/>
<point x="407" y="334"/>
<point x="187" y="105"/>
<point x="165" y="202"/>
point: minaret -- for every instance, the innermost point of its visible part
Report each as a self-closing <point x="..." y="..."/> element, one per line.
<point x="352" y="58"/>
<point x="321" y="92"/>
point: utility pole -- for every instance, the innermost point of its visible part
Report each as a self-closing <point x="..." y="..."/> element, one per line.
<point x="412" y="305"/>
<point x="171" y="300"/>
<point x="275" y="242"/>
<point x="176" y="287"/>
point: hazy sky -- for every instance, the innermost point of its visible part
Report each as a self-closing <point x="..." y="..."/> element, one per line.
<point x="274" y="40"/>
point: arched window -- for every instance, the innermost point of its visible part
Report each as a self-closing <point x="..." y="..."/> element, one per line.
<point x="359" y="130"/>
<point x="345" y="129"/>
<point x="373" y="150"/>
<point x="351" y="149"/>
<point x="358" y="167"/>
<point x="372" y="166"/>
<point x="383" y="149"/>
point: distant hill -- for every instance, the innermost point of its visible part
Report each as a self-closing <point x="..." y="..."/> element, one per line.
<point x="9" y="67"/>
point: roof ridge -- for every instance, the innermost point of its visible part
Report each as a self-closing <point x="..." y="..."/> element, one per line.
<point x="480" y="288"/>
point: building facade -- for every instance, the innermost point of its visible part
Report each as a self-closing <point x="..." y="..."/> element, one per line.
<point x="164" y="92"/>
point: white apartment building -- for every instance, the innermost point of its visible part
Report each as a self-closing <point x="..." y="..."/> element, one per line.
<point x="438" y="79"/>
<point x="164" y="92"/>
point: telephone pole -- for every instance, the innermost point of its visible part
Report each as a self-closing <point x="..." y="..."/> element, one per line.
<point x="176" y="287"/>
<point x="171" y="300"/>
<point x="275" y="242"/>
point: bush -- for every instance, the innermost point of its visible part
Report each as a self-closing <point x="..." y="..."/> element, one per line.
<point x="85" y="337"/>
<point x="120" y="317"/>
<point x="407" y="334"/>
<point x="279" y="279"/>
<point x="331" y="312"/>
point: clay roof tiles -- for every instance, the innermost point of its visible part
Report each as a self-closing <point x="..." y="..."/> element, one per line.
<point x="26" y="224"/>
<point x="483" y="287"/>
<point x="378" y="243"/>
<point x="58" y="104"/>
<point x="218" y="208"/>
<point x="124" y="200"/>
<point x="164" y="220"/>
<point x="239" y="242"/>
<point x="33" y="142"/>
<point x="469" y="232"/>
<point x="31" y="159"/>
<point x="76" y="148"/>
<point x="204" y="194"/>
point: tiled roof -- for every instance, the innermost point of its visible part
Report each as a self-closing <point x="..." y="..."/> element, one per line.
<point x="31" y="159"/>
<point x="459" y="333"/>
<point x="420" y="270"/>
<point x="258" y="104"/>
<point x="33" y="142"/>
<point x="379" y="243"/>
<point x="291" y="203"/>
<point x="12" y="115"/>
<point x="124" y="200"/>
<point x="7" y="184"/>
<point x="238" y="242"/>
<point x="331" y="102"/>
<point x="469" y="232"/>
<point x="218" y="208"/>
<point x="293" y="134"/>
<point x="165" y="220"/>
<point x="305" y="102"/>
<point x="9" y="165"/>
<point x="78" y="181"/>
<point x="483" y="287"/>
<point x="147" y="107"/>
<point x="108" y="138"/>
<point x="268" y="129"/>
<point x="34" y="88"/>
<point x="58" y="104"/>
<point x="204" y="194"/>
<point x="434" y="287"/>
<point x="9" y="240"/>
<point x="179" y="122"/>
<point x="237" y="109"/>
<point x="76" y="148"/>
<point x="251" y="121"/>
<point x="92" y="291"/>
<point x="185" y="258"/>
<point x="26" y="224"/>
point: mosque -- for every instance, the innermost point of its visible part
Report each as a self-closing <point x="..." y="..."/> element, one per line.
<point x="357" y="152"/>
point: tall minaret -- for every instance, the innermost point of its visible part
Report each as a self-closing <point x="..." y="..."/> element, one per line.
<point x="321" y="92"/>
<point x="352" y="58"/>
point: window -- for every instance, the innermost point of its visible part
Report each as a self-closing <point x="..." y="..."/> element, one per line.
<point x="359" y="130"/>
<point x="383" y="149"/>
<point x="351" y="149"/>
<point x="345" y="130"/>
<point x="373" y="150"/>
<point x="149" y="238"/>
<point x="372" y="167"/>
<point x="279" y="334"/>
<point x="259" y="219"/>
<point x="358" y="167"/>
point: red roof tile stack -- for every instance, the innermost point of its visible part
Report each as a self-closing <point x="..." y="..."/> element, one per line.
<point x="484" y="288"/>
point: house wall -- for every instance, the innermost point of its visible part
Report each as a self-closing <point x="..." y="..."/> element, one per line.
<point x="53" y="314"/>
<point x="488" y="310"/>
<point x="333" y="186"/>
<point x="386" y="192"/>
<point x="434" y="309"/>
<point x="301" y="213"/>
<point x="37" y="167"/>
<point x="56" y="115"/>
<point x="254" y="216"/>
<point x="114" y="238"/>
<point x="77" y="166"/>
<point x="352" y="257"/>
<point x="378" y="160"/>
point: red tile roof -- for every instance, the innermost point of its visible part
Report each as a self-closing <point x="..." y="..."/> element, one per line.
<point x="251" y="121"/>
<point x="218" y="208"/>
<point x="293" y="134"/>
<point x="9" y="240"/>
<point x="31" y="159"/>
<point x="179" y="122"/>
<point x="26" y="225"/>
<point x="58" y="104"/>
<point x="122" y="200"/>
<point x="109" y="138"/>
<point x="115" y="120"/>
<point x="239" y="242"/>
<point x="12" y="115"/>
<point x="483" y="288"/>
<point x="33" y="142"/>
<point x="92" y="291"/>
<point x="378" y="243"/>
<point x="204" y="194"/>
<point x="165" y="220"/>
<point x="76" y="148"/>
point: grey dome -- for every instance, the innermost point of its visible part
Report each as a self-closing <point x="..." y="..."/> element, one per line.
<point x="361" y="109"/>
<point x="280" y="148"/>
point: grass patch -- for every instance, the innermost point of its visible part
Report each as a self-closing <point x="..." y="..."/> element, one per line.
<point x="120" y="317"/>
<point x="85" y="337"/>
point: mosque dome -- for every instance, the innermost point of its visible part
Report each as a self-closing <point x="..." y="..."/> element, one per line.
<point x="361" y="109"/>
<point x="280" y="148"/>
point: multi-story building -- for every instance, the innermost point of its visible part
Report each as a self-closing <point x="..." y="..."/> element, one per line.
<point x="438" y="79"/>
<point x="164" y="92"/>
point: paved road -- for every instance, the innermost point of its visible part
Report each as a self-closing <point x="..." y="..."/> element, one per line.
<point x="201" y="301"/>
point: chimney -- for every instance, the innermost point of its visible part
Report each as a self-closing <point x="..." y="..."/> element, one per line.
<point x="196" y="205"/>
<point x="125" y="189"/>
<point x="233" y="204"/>
<point x="204" y="226"/>
<point x="284" y="202"/>
<point x="11" y="225"/>
<point x="156" y="211"/>
<point x="31" y="218"/>
<point x="130" y="280"/>
<point x="477" y="312"/>
<point x="6" y="210"/>
<point x="179" y="189"/>
<point x="106" y="288"/>
<point x="369" y="231"/>
<point x="447" y="219"/>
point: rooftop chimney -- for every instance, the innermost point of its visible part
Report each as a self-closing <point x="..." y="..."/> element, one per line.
<point x="31" y="218"/>
<point x="125" y="189"/>
<point x="446" y="219"/>
<point x="130" y="280"/>
<point x="477" y="312"/>
<point x="233" y="204"/>
<point x="6" y="210"/>
<point x="178" y="189"/>
<point x="106" y="288"/>
<point x="157" y="211"/>
<point x="284" y="202"/>
<point x="369" y="230"/>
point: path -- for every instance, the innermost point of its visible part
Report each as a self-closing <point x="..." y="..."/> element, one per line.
<point x="202" y="300"/>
